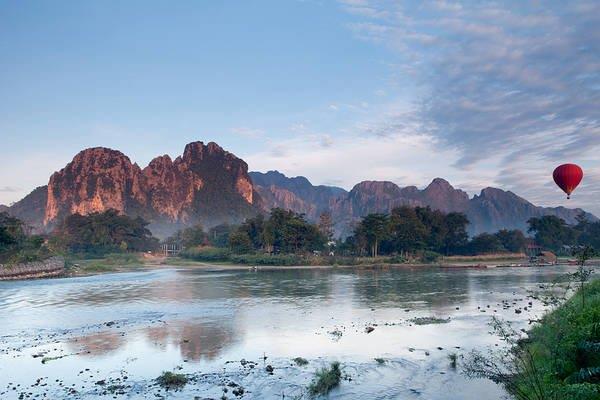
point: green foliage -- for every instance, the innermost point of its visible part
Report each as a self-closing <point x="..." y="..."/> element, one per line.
<point x="240" y="242"/>
<point x="270" y="259"/>
<point x="218" y="236"/>
<point x="102" y="233"/>
<point x="189" y="237"/>
<point x="210" y="254"/>
<point x="409" y="230"/>
<point x="283" y="232"/>
<point x="300" y="361"/>
<point x="170" y="380"/>
<point x="565" y="349"/>
<point x="430" y="256"/>
<point x="552" y="232"/>
<point x="325" y="380"/>
<point x="16" y="246"/>
<point x="374" y="228"/>
<point x="511" y="240"/>
<point x="485" y="243"/>
<point x="108" y="263"/>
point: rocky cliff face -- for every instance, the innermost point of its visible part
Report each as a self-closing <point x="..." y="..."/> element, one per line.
<point x="207" y="185"/>
<point x="490" y="211"/>
<point x="298" y="194"/>
<point x="96" y="180"/>
<point x="31" y="208"/>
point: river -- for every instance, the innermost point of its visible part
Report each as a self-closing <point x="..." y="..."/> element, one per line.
<point x="114" y="333"/>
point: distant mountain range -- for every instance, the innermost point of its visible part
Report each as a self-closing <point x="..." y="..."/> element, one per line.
<point x="209" y="185"/>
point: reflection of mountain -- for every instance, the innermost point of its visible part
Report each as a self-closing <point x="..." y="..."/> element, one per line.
<point x="196" y="340"/>
<point x="97" y="344"/>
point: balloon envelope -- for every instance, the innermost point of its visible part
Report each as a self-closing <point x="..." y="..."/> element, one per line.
<point x="567" y="177"/>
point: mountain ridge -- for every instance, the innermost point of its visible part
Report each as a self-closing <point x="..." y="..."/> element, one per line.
<point x="209" y="185"/>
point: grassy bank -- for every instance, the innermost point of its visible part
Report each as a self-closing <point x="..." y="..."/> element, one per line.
<point x="563" y="351"/>
<point x="223" y="255"/>
<point x="78" y="265"/>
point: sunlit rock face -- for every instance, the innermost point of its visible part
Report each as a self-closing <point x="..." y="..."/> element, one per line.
<point x="96" y="180"/>
<point x="207" y="185"/>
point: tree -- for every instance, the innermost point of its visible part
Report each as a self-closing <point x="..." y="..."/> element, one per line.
<point x="326" y="226"/>
<point x="552" y="232"/>
<point x="513" y="240"/>
<point x="456" y="232"/>
<point x="11" y="231"/>
<point x="582" y="275"/>
<point x="485" y="243"/>
<point x="284" y="231"/>
<point x="239" y="242"/>
<point x="406" y="231"/>
<point x="219" y="235"/>
<point x="374" y="228"/>
<point x="193" y="236"/>
<point x="435" y="221"/>
<point x="589" y="233"/>
<point x="101" y="233"/>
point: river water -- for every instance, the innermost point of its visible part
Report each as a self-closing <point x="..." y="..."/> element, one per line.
<point x="110" y="335"/>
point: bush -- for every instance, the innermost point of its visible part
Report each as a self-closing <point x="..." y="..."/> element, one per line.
<point x="325" y="380"/>
<point x="170" y="380"/>
<point x="430" y="257"/>
<point x="266" y="259"/>
<point x="206" y="254"/>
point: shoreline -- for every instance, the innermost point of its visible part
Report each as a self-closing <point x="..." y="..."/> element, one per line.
<point x="146" y="262"/>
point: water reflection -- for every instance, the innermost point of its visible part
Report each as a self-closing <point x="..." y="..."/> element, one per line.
<point x="147" y="322"/>
<point x="196" y="341"/>
<point x="96" y="344"/>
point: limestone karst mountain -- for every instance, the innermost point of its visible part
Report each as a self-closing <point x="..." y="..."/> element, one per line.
<point x="209" y="185"/>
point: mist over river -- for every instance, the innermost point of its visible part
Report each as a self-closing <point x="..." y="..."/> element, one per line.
<point x="111" y="335"/>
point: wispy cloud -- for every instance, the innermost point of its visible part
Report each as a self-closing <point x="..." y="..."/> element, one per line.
<point x="515" y="82"/>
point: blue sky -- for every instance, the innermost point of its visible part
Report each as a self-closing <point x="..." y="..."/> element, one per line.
<point x="339" y="91"/>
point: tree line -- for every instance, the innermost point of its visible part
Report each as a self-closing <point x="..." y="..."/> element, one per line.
<point x="555" y="234"/>
<point x="408" y="230"/>
<point x="405" y="231"/>
<point x="16" y="244"/>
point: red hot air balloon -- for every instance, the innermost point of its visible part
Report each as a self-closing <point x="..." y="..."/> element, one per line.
<point x="567" y="177"/>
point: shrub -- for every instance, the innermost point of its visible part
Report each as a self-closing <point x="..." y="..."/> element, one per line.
<point x="170" y="380"/>
<point x="325" y="380"/>
<point x="206" y="254"/>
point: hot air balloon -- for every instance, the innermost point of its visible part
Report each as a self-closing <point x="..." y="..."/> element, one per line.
<point x="567" y="177"/>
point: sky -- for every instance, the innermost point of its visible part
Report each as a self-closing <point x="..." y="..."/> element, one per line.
<point x="479" y="93"/>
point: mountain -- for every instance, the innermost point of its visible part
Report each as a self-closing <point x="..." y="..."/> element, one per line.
<point x="298" y="194"/>
<point x="206" y="184"/>
<point x="209" y="185"/>
<point x="490" y="211"/>
<point x="31" y="208"/>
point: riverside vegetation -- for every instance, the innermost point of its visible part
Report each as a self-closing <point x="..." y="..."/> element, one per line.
<point x="104" y="241"/>
<point x="560" y="357"/>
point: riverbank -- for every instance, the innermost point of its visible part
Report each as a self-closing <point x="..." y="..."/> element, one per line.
<point x="563" y="351"/>
<point x="128" y="262"/>
<point x="51" y="267"/>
